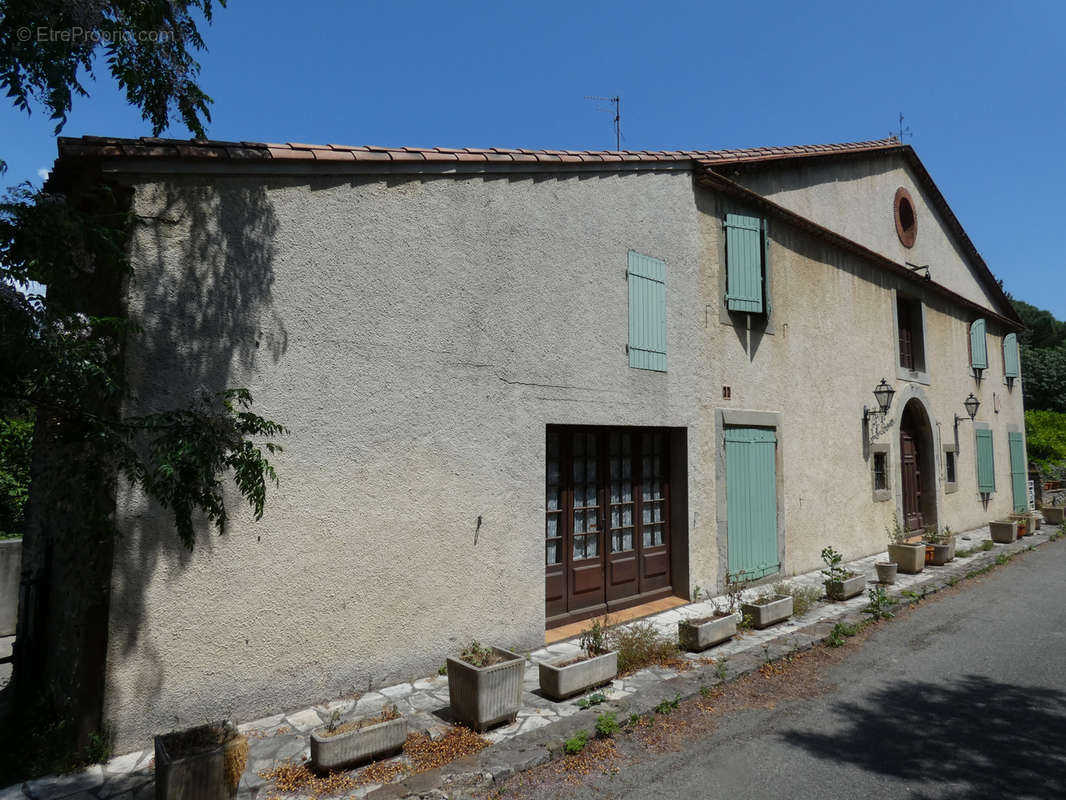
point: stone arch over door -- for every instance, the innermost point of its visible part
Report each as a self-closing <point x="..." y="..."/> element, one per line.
<point x="917" y="446"/>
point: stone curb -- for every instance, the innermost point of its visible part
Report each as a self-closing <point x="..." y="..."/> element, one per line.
<point x="499" y="762"/>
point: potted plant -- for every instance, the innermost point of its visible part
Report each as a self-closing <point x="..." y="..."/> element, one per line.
<point x="202" y="763"/>
<point x="700" y="633"/>
<point x="339" y="744"/>
<point x="840" y="583"/>
<point x="1003" y="531"/>
<point x="1052" y="514"/>
<point x="1023" y="524"/>
<point x="909" y="557"/>
<point x="886" y="571"/>
<point x="768" y="609"/>
<point x="937" y="547"/>
<point x="597" y="665"/>
<point x="485" y="685"/>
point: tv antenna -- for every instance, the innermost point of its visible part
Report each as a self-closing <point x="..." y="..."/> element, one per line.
<point x="898" y="135"/>
<point x="617" y="116"/>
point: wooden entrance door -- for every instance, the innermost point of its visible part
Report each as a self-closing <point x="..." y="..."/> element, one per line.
<point x="607" y="535"/>
<point x="1018" y="478"/>
<point x="910" y="465"/>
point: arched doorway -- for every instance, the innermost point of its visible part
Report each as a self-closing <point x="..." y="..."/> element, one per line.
<point x="917" y="467"/>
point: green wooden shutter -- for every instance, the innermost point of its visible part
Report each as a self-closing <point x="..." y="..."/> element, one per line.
<point x="1018" y="476"/>
<point x="986" y="463"/>
<point x="1010" y="356"/>
<point x="978" y="347"/>
<point x="744" y="263"/>
<point x="751" y="501"/>
<point x="647" y="312"/>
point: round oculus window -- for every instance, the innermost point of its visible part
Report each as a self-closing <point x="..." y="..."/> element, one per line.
<point x="906" y="220"/>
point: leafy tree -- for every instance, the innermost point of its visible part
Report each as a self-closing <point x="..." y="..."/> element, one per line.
<point x="148" y="45"/>
<point x="1044" y="377"/>
<point x="61" y="365"/>
<point x="1045" y="434"/>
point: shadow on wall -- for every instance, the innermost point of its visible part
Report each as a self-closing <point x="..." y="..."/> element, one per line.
<point x="202" y="258"/>
<point x="976" y="738"/>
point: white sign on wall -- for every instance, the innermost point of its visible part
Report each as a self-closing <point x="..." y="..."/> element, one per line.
<point x="1032" y="494"/>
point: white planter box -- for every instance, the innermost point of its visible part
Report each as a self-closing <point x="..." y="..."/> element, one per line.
<point x="484" y="696"/>
<point x="562" y="682"/>
<point x="355" y="746"/>
<point x="764" y="615"/>
<point x="209" y="773"/>
<point x="845" y="589"/>
<point x="699" y="634"/>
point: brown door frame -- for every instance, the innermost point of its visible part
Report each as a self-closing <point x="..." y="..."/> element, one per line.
<point x="649" y="585"/>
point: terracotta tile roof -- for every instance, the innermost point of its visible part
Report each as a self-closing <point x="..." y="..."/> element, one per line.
<point x="150" y="147"/>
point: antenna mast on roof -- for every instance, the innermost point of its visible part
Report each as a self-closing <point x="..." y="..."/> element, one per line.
<point x="617" y="117"/>
<point x="898" y="135"/>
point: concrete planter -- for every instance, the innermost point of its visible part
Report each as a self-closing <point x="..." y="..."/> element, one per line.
<point x="562" y="682"/>
<point x="1029" y="520"/>
<point x="909" y="557"/>
<point x="845" y="589"/>
<point x="699" y="634"/>
<point x="205" y="772"/>
<point x="10" y="567"/>
<point x="1003" y="531"/>
<point x="763" y="615"/>
<point x="355" y="746"/>
<point x="941" y="554"/>
<point x="1052" y="514"/>
<point x="484" y="696"/>
<point x="886" y="571"/>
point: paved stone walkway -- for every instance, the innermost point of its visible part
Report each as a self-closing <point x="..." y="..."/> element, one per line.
<point x="425" y="701"/>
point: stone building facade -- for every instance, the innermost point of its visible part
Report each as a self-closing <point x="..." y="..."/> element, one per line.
<point x="529" y="387"/>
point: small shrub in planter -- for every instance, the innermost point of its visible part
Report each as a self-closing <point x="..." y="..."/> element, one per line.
<point x="485" y="685"/>
<point x="768" y="609"/>
<point x="940" y="546"/>
<point x="202" y="763"/>
<point x="338" y="745"/>
<point x="703" y="632"/>
<point x="840" y="583"/>
<point x="597" y="665"/>
<point x="909" y="558"/>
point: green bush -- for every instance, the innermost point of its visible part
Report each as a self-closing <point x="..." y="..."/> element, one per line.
<point x="16" y="442"/>
<point x="607" y="724"/>
<point x="576" y="743"/>
<point x="1045" y="433"/>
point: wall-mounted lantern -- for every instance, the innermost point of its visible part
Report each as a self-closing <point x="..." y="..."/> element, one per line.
<point x="972" y="404"/>
<point x="884" y="394"/>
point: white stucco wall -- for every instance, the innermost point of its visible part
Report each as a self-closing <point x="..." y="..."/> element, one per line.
<point x="416" y="336"/>
<point x="835" y="339"/>
<point x="855" y="198"/>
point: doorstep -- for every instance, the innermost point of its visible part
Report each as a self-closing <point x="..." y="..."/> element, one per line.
<point x="542" y="724"/>
<point x="569" y="631"/>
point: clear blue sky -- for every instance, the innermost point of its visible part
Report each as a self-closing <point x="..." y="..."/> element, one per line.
<point x="982" y="86"/>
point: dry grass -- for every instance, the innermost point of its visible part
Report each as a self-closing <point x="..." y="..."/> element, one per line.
<point x="388" y="713"/>
<point x="426" y="754"/>
<point x="289" y="776"/>
<point x="640" y="645"/>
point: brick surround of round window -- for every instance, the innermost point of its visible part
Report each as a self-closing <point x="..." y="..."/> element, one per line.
<point x="906" y="218"/>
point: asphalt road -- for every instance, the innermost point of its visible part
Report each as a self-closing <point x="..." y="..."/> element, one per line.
<point x="964" y="698"/>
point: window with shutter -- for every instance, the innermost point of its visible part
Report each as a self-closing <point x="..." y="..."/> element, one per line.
<point x="978" y="347"/>
<point x="1011" y="367"/>
<point x="745" y="252"/>
<point x="647" y="312"/>
<point x="986" y="463"/>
